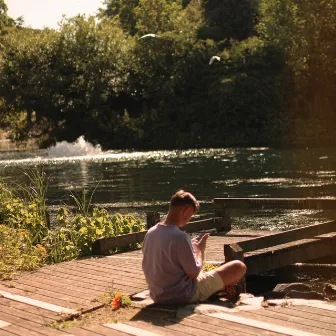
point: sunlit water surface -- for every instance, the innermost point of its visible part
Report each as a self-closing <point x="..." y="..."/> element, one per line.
<point x="144" y="181"/>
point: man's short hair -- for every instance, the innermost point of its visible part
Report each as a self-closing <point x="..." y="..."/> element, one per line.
<point x="182" y="198"/>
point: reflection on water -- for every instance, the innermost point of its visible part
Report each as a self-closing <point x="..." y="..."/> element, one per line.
<point x="142" y="181"/>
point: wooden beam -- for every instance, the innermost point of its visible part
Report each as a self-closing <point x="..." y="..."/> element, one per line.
<point x="273" y="328"/>
<point x="287" y="236"/>
<point x="39" y="304"/>
<point x="103" y="246"/>
<point x="276" y="203"/>
<point x="4" y="324"/>
<point x="290" y="253"/>
<point x="130" y="330"/>
<point x="217" y="223"/>
<point x="152" y="218"/>
<point x="235" y="252"/>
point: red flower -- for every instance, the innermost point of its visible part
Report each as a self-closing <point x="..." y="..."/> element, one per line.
<point x="116" y="301"/>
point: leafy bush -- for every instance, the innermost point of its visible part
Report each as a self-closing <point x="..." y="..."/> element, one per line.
<point x="17" y="253"/>
<point x="74" y="234"/>
<point x="26" y="241"/>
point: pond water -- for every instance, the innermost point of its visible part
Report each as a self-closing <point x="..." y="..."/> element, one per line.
<point x="144" y="181"/>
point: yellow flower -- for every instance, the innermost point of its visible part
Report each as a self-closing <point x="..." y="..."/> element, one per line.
<point x="23" y="233"/>
<point x="41" y="248"/>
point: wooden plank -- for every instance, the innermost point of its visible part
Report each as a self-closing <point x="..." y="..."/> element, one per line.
<point x="328" y="322"/>
<point x="75" y="281"/>
<point x="152" y="218"/>
<point x="261" y="325"/>
<point x="103" y="246"/>
<point x="98" y="269"/>
<point x="286" y="316"/>
<point x="321" y="306"/>
<point x="130" y="330"/>
<point x="6" y="333"/>
<point x="215" y="323"/>
<point x="43" y="298"/>
<point x="4" y="324"/>
<point x="55" y="288"/>
<point x="101" y="278"/>
<point x="82" y="332"/>
<point x="287" y="254"/>
<point x="22" y="331"/>
<point x="31" y="326"/>
<point x="315" y="311"/>
<point x="61" y="298"/>
<point x="234" y="252"/>
<point x="103" y="283"/>
<point x="107" y="265"/>
<point x="55" y="282"/>
<point x="288" y="236"/>
<point x="217" y="223"/>
<point x="40" y="304"/>
<point x="154" y="328"/>
<point x="189" y="330"/>
<point x="200" y="328"/>
<point x="101" y="330"/>
<point x="279" y="203"/>
<point x="26" y="315"/>
<point x="28" y="308"/>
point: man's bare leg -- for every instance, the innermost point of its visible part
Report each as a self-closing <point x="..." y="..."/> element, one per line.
<point x="231" y="272"/>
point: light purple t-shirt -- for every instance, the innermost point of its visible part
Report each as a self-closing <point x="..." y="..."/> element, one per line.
<point x="167" y="258"/>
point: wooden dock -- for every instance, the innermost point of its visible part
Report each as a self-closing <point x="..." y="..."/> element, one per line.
<point x="30" y="303"/>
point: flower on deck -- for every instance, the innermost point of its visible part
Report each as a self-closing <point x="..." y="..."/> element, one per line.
<point x="116" y="302"/>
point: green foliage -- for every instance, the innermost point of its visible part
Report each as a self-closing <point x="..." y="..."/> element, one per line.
<point x="122" y="11"/>
<point x="229" y="19"/>
<point x="26" y="241"/>
<point x="102" y="79"/>
<point x="17" y="253"/>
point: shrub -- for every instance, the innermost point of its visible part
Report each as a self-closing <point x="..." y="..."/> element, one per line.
<point x="17" y="253"/>
<point x="26" y="240"/>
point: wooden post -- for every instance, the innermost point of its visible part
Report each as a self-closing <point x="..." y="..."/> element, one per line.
<point x="235" y="252"/>
<point x="152" y="219"/>
<point x="222" y="212"/>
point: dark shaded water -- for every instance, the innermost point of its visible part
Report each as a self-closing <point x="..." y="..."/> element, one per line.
<point x="142" y="181"/>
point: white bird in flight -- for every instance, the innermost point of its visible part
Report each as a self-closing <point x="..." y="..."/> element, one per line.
<point x="214" y="58"/>
<point x="149" y="35"/>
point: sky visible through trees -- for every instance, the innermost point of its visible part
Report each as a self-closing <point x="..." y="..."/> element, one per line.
<point x="138" y="75"/>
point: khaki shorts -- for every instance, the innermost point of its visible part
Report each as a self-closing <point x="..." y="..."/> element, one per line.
<point x="208" y="283"/>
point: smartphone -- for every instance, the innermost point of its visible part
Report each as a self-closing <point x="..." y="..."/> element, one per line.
<point x="200" y="236"/>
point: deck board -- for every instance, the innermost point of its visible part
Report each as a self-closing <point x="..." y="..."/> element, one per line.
<point x="288" y="321"/>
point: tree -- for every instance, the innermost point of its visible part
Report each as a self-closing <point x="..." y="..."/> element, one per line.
<point x="229" y="19"/>
<point x="67" y="82"/>
<point x="122" y="11"/>
<point x="3" y="15"/>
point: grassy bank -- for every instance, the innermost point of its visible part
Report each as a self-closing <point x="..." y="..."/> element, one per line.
<point x="26" y="239"/>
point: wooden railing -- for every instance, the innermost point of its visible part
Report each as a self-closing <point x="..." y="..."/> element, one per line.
<point x="284" y="248"/>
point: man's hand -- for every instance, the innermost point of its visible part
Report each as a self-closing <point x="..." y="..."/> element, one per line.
<point x="199" y="244"/>
<point x="199" y="247"/>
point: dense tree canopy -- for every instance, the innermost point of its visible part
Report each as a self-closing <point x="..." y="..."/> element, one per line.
<point x="140" y="74"/>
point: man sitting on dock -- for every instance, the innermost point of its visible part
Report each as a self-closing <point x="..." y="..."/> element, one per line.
<point x="172" y="262"/>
